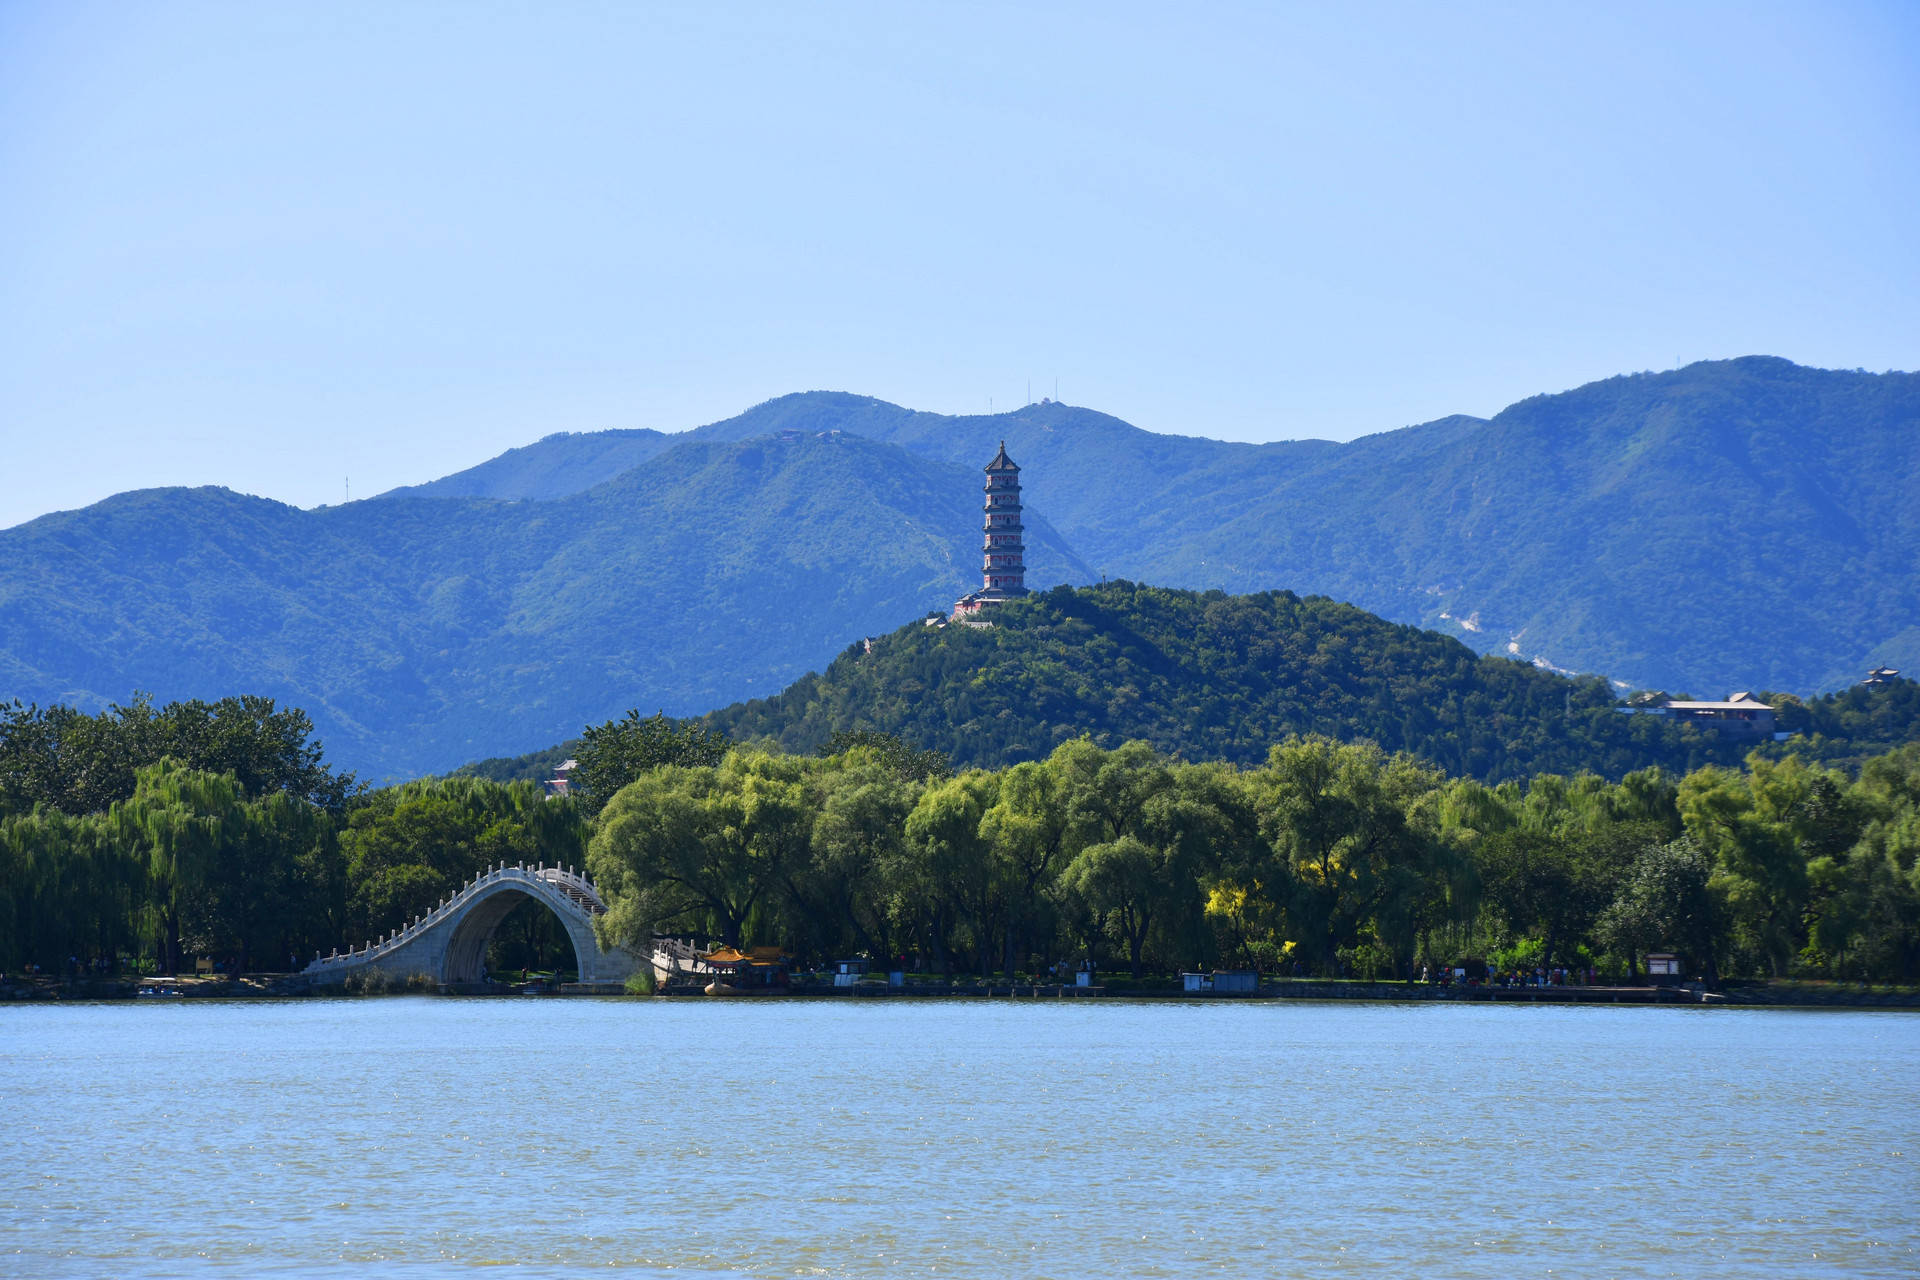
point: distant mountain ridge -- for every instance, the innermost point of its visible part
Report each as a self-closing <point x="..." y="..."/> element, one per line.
<point x="423" y="632"/>
<point x="1744" y="522"/>
<point x="1734" y="524"/>
<point x="555" y="466"/>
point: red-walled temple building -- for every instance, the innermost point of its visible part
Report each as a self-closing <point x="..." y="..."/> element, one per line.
<point x="1003" y="574"/>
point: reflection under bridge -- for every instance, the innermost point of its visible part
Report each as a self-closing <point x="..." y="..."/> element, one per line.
<point x="448" y="945"/>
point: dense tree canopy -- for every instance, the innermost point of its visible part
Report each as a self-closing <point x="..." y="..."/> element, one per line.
<point x="705" y="843"/>
<point x="611" y="755"/>
<point x="1327" y="858"/>
<point x="80" y="764"/>
<point x="1321" y="857"/>
<point x="146" y="834"/>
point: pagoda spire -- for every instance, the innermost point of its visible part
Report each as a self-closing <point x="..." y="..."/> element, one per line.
<point x="1003" y="571"/>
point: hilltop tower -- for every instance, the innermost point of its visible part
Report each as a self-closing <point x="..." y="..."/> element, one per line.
<point x="1003" y="571"/>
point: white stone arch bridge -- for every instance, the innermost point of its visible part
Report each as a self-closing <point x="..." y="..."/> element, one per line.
<point x="448" y="945"/>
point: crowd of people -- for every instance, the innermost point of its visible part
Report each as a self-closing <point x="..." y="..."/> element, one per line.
<point x="1478" y="974"/>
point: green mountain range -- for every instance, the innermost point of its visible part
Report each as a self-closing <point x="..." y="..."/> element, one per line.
<point x="1736" y="524"/>
<point x="422" y="632"/>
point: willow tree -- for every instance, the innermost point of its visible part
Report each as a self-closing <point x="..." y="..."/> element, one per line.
<point x="1030" y="837"/>
<point x="276" y="887"/>
<point x="407" y="847"/>
<point x="842" y="892"/>
<point x="1868" y="921"/>
<point x="178" y="821"/>
<point x="1151" y="833"/>
<point x="67" y="888"/>
<point x="687" y="847"/>
<point x="946" y="880"/>
<point x="1351" y="843"/>
<point x="1760" y="828"/>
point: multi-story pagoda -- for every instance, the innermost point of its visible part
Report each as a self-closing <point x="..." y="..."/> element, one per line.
<point x="1003" y="573"/>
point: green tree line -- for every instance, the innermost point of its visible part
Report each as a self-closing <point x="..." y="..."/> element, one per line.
<point x="1322" y="858"/>
<point x="1325" y="859"/>
<point x="145" y="835"/>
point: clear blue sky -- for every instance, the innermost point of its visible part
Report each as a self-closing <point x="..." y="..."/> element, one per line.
<point x="274" y="245"/>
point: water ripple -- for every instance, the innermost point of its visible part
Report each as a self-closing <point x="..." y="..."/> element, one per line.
<point x="433" y="1137"/>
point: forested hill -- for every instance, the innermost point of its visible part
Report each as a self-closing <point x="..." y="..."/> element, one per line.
<point x="423" y="632"/>
<point x="1732" y="524"/>
<point x="1209" y="676"/>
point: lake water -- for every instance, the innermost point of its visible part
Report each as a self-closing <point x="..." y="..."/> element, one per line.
<point x="435" y="1137"/>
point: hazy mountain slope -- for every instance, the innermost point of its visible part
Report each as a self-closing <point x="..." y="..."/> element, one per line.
<point x="423" y="632"/>
<point x="1214" y="677"/>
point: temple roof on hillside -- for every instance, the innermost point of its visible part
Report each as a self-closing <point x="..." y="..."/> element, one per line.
<point x="1001" y="462"/>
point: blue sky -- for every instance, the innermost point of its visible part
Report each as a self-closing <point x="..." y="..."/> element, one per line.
<point x="275" y="246"/>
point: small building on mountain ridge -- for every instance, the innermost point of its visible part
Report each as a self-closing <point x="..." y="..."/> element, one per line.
<point x="1740" y="716"/>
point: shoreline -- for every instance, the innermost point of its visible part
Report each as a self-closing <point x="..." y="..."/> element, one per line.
<point x="289" y="987"/>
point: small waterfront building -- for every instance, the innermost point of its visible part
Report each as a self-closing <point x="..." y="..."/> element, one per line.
<point x="847" y="973"/>
<point x="1003" y="572"/>
<point x="1221" y="982"/>
<point x="1663" y="968"/>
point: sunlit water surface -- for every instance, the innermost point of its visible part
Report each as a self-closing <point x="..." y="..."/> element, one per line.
<point x="429" y="1137"/>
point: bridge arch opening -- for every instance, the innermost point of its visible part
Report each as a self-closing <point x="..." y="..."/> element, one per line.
<point x="476" y="931"/>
